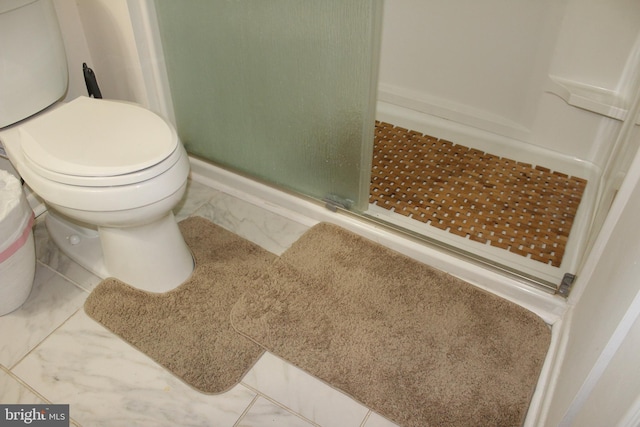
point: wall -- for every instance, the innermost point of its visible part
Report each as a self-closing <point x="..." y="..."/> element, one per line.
<point x="99" y="33"/>
<point x="487" y="64"/>
<point x="76" y="46"/>
<point x="595" y="41"/>
<point x="601" y="331"/>
<point x="482" y="57"/>
<point x="618" y="389"/>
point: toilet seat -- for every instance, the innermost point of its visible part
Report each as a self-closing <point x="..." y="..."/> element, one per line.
<point x="99" y="143"/>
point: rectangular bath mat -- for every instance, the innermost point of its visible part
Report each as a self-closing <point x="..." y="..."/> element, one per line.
<point x="416" y="345"/>
<point x="187" y="330"/>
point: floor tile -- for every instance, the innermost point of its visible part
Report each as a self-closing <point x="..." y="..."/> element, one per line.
<point x="197" y="195"/>
<point x="13" y="391"/>
<point x="271" y="231"/>
<point x="107" y="382"/>
<point x="268" y="230"/>
<point x="303" y="393"/>
<point x="264" y="413"/>
<point x="53" y="299"/>
<point x="376" y="420"/>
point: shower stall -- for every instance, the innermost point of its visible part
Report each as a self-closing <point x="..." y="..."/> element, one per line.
<point x="289" y="93"/>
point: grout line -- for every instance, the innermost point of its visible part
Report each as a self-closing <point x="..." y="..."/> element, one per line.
<point x="73" y="283"/>
<point x="275" y="402"/>
<point x="68" y="279"/>
<point x="366" y="418"/>
<point x="45" y="338"/>
<point x="247" y="409"/>
<point x="24" y="384"/>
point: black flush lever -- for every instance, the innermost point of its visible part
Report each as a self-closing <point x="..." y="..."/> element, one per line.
<point x="91" y="81"/>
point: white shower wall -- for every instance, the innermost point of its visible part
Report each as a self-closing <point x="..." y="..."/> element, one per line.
<point x="495" y="65"/>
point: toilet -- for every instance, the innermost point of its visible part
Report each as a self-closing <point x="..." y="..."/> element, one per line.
<point x="110" y="172"/>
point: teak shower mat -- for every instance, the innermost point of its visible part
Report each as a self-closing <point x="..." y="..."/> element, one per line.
<point x="187" y="330"/>
<point x="416" y="345"/>
<point x="515" y="206"/>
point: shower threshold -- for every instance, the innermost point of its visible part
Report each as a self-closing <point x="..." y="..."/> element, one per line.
<point x="308" y="211"/>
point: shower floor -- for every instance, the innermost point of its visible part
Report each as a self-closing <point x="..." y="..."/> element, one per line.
<point x="525" y="209"/>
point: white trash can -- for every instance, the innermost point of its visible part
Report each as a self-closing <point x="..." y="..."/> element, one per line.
<point x="17" y="250"/>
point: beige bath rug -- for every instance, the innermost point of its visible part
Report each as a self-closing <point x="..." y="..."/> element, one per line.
<point x="187" y="330"/>
<point x="414" y="344"/>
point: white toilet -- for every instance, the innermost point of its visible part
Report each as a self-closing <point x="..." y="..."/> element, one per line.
<point x="110" y="172"/>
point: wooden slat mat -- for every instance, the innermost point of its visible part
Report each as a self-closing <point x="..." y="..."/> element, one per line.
<point x="525" y="209"/>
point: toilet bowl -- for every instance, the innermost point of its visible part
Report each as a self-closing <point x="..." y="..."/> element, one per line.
<point x="110" y="173"/>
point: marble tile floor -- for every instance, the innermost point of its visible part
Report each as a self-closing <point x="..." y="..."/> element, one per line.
<point x="51" y="352"/>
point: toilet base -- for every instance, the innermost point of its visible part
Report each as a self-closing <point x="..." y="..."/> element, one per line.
<point x="151" y="257"/>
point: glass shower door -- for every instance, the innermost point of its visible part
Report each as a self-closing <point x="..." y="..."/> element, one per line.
<point x="281" y="90"/>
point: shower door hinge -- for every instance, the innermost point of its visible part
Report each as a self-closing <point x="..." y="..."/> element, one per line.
<point x="333" y="203"/>
<point x="565" y="286"/>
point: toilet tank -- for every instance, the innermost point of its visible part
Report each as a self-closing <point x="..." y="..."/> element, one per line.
<point x="33" y="65"/>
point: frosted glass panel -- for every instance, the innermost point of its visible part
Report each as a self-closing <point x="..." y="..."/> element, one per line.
<point x="279" y="89"/>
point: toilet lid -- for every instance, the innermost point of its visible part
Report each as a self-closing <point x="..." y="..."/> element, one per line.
<point x="93" y="138"/>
